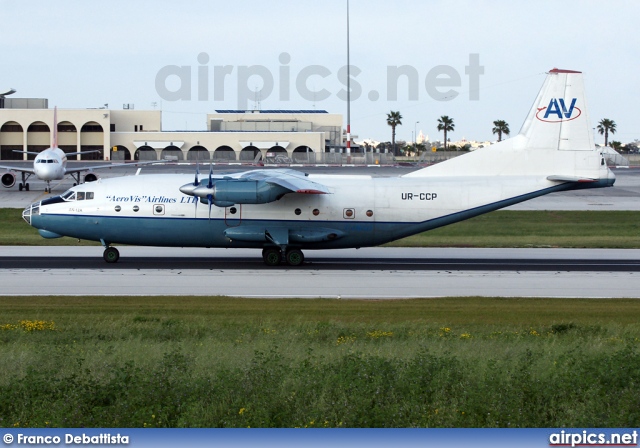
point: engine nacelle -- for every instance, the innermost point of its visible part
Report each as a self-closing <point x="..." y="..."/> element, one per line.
<point x="246" y="192"/>
<point x="91" y="177"/>
<point x="9" y="179"/>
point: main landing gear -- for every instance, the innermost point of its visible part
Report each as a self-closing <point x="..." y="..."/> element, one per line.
<point x="273" y="256"/>
<point x="24" y="185"/>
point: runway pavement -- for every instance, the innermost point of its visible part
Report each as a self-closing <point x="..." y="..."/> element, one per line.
<point x="373" y="273"/>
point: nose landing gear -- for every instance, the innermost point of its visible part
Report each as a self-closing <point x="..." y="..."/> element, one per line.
<point x="111" y="254"/>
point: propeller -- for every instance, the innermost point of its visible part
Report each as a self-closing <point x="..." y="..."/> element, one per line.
<point x="210" y="187"/>
<point x="190" y="188"/>
<point x="200" y="191"/>
<point x="196" y="182"/>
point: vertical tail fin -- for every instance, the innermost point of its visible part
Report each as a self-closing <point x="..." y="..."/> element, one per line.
<point x="554" y="143"/>
<point x="559" y="118"/>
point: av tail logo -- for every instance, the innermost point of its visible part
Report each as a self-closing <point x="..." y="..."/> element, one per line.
<point x="557" y="111"/>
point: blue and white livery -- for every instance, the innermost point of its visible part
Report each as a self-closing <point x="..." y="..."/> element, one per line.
<point x="284" y="212"/>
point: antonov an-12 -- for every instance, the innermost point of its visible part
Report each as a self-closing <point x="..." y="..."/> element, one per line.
<point x="283" y="211"/>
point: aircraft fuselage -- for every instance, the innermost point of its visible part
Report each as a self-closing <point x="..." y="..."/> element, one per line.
<point x="360" y="211"/>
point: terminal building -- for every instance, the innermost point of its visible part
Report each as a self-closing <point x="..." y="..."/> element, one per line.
<point x="231" y="136"/>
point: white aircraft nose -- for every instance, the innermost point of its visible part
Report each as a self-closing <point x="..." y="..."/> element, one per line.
<point x="45" y="171"/>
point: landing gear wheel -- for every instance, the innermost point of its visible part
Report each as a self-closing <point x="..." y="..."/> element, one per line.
<point x="272" y="256"/>
<point x="26" y="187"/>
<point x="294" y="257"/>
<point x="111" y="255"/>
<point x="20" y="187"/>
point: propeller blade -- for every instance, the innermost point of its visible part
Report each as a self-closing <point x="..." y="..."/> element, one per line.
<point x="210" y="176"/>
<point x="210" y="201"/>
<point x="196" y="182"/>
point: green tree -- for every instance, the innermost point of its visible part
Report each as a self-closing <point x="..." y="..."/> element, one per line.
<point x="394" y="118"/>
<point x="616" y="145"/>
<point x="500" y="127"/>
<point x="604" y="127"/>
<point x="445" y="124"/>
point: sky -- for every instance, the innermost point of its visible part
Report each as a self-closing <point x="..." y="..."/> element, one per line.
<point x="190" y="58"/>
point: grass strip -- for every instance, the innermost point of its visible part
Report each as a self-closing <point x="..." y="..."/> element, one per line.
<point x="228" y="362"/>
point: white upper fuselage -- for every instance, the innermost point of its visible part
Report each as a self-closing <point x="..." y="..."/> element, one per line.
<point x="50" y="164"/>
<point x="370" y="209"/>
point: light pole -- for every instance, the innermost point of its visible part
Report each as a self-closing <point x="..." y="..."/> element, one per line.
<point x="348" y="90"/>
<point x="415" y="136"/>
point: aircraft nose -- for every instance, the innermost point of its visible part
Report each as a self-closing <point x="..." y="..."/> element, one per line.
<point x="31" y="210"/>
<point x="44" y="171"/>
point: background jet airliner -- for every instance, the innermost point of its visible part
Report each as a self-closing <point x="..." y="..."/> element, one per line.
<point x="283" y="212"/>
<point x="51" y="164"/>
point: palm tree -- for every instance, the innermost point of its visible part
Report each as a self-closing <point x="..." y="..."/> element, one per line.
<point x="500" y="127"/>
<point x="445" y="124"/>
<point x="604" y="127"/>
<point x="394" y="119"/>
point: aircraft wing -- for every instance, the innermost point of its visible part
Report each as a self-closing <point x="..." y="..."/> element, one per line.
<point x="292" y="180"/>
<point x="110" y="165"/>
<point x="559" y="178"/>
<point x="17" y="168"/>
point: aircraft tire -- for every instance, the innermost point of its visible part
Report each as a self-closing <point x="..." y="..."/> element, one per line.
<point x="19" y="187"/>
<point x="294" y="257"/>
<point x="26" y="186"/>
<point x="272" y="256"/>
<point x="111" y="255"/>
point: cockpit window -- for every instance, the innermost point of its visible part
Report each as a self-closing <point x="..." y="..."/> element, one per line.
<point x="77" y="195"/>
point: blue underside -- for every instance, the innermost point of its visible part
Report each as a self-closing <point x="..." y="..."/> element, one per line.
<point x="191" y="232"/>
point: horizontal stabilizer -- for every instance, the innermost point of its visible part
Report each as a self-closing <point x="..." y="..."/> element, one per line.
<point x="33" y="153"/>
